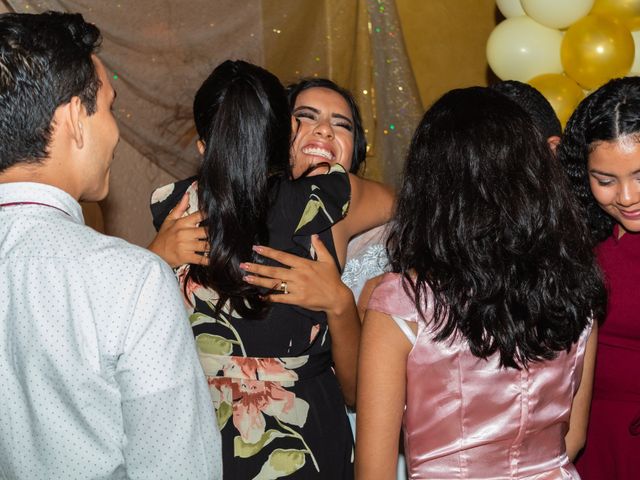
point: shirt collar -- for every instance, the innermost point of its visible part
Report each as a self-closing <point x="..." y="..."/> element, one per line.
<point x="16" y="192"/>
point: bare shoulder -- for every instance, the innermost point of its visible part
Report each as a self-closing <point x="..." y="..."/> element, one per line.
<point x="365" y="296"/>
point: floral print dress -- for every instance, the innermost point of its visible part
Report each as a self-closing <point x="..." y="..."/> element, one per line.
<point x="278" y="403"/>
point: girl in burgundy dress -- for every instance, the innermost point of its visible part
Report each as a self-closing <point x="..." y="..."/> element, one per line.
<point x="601" y="153"/>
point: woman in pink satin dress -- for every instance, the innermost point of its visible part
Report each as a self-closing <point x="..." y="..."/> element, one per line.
<point x="481" y="344"/>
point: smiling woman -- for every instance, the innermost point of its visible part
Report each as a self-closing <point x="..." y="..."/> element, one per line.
<point x="614" y="177"/>
<point x="325" y="130"/>
<point x="601" y="153"/>
<point x="323" y="108"/>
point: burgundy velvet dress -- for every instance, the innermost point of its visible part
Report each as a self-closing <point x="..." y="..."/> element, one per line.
<point x="613" y="439"/>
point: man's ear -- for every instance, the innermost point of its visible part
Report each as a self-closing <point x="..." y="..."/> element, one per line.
<point x="76" y="115"/>
<point x="553" y="142"/>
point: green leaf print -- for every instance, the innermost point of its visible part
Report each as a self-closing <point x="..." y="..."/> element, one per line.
<point x="214" y="344"/>
<point x="243" y="449"/>
<point x="314" y="205"/>
<point x="223" y="413"/>
<point x="281" y="463"/>
<point x="200" y="318"/>
<point x="310" y="212"/>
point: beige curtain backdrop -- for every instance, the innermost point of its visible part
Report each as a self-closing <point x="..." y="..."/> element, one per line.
<point x="159" y="51"/>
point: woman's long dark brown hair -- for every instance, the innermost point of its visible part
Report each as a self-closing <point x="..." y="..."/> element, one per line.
<point x="242" y="116"/>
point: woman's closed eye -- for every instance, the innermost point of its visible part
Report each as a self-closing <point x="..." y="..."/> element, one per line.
<point x="603" y="181"/>
<point x="344" y="124"/>
<point x="305" y="114"/>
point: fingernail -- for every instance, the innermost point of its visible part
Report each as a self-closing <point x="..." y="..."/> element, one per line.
<point x="257" y="248"/>
<point x="245" y="266"/>
<point x="248" y="278"/>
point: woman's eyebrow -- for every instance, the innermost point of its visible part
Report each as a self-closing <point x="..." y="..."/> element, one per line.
<point x="306" y="107"/>
<point x="600" y="172"/>
<point x="315" y="110"/>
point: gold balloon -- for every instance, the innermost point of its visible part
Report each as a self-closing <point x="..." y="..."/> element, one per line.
<point x="562" y="93"/>
<point x="626" y="12"/>
<point x="595" y="50"/>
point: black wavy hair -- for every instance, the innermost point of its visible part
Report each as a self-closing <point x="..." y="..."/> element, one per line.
<point x="45" y="60"/>
<point x="609" y="113"/>
<point x="359" y="138"/>
<point x="534" y="103"/>
<point x="485" y="221"/>
<point x="242" y="116"/>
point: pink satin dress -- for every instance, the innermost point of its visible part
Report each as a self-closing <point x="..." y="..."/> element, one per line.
<point x="467" y="418"/>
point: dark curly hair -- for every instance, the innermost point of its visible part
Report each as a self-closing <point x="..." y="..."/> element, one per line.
<point x="485" y="222"/>
<point x="359" y="138"/>
<point x="609" y="113"/>
<point x="242" y="116"/>
<point x="45" y="60"/>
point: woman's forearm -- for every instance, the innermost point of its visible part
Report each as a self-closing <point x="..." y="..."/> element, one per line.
<point x="344" y="326"/>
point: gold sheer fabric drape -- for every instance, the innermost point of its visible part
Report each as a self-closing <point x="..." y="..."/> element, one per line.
<point x="159" y="51"/>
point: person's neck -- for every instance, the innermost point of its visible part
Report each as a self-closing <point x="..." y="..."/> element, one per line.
<point x="38" y="173"/>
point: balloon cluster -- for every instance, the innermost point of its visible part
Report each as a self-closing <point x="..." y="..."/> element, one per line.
<point x="565" y="48"/>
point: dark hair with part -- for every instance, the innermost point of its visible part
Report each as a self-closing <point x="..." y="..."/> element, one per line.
<point x="359" y="138"/>
<point x="242" y="116"/>
<point x="534" y="103"/>
<point x="485" y="222"/>
<point x="45" y="60"/>
<point x="608" y="114"/>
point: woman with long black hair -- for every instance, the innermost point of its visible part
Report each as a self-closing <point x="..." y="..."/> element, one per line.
<point x="482" y="340"/>
<point x="280" y="405"/>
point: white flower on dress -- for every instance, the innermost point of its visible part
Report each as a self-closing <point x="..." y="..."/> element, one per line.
<point x="162" y="193"/>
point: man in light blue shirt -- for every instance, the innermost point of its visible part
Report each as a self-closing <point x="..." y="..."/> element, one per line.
<point x="99" y="377"/>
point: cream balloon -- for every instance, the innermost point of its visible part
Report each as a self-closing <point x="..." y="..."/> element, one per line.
<point x="510" y="8"/>
<point x="557" y="13"/>
<point x="520" y="48"/>
<point x="635" y="68"/>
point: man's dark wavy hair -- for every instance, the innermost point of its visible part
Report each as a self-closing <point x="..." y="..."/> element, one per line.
<point x="534" y="103"/>
<point x="359" y="138"/>
<point x="45" y="60"/>
<point x="486" y="222"/>
<point x="608" y="114"/>
<point x="242" y="116"/>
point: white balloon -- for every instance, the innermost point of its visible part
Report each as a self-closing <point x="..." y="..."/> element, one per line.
<point x="635" y="68"/>
<point x="520" y="49"/>
<point x="510" y="8"/>
<point x="557" y="13"/>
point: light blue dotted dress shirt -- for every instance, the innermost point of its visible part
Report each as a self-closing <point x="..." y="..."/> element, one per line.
<point x="99" y="376"/>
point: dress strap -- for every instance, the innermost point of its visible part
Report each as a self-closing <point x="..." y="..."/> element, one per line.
<point x="405" y="329"/>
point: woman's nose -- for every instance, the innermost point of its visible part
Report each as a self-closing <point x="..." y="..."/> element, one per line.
<point x="629" y="193"/>
<point x="324" y="129"/>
